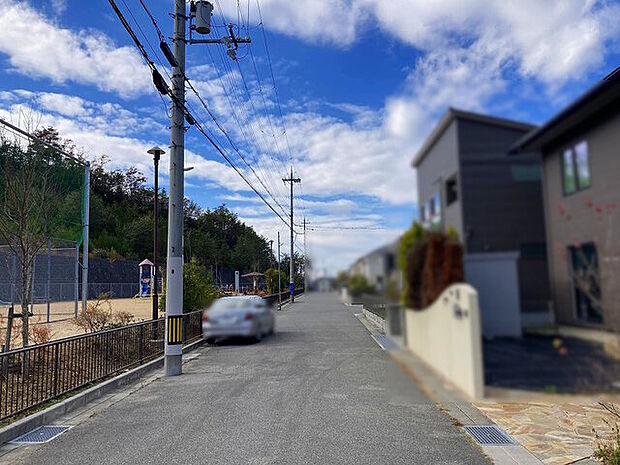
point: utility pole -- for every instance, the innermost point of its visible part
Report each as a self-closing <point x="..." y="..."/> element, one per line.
<point x="292" y="180"/>
<point x="270" y="257"/>
<point x="200" y="12"/>
<point x="174" y="262"/>
<point x="305" y="259"/>
<point x="279" y="288"/>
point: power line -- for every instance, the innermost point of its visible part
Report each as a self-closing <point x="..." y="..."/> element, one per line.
<point x="191" y="119"/>
<point x="346" y="228"/>
<point x="164" y="47"/>
<point x="38" y="140"/>
<point x="273" y="79"/>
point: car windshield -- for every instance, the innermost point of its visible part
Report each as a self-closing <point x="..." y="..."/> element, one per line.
<point x="231" y="304"/>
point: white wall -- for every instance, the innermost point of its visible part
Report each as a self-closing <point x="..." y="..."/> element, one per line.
<point x="447" y="337"/>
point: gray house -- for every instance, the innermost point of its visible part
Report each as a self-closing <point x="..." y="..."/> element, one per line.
<point x="467" y="182"/>
<point x="379" y="266"/>
<point x="580" y="148"/>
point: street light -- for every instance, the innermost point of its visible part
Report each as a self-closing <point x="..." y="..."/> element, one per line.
<point x="157" y="153"/>
<point x="189" y="168"/>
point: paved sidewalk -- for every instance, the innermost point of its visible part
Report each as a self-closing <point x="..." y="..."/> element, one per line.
<point x="556" y="429"/>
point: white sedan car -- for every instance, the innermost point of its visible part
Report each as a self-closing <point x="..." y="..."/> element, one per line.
<point x="239" y="316"/>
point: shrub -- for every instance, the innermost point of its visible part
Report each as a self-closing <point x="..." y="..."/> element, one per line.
<point x="607" y="451"/>
<point x="431" y="287"/>
<point x="409" y="266"/>
<point x="199" y="290"/>
<point x="123" y="318"/>
<point x="99" y="316"/>
<point x="358" y="285"/>
<point x="415" y="234"/>
<point x="342" y="278"/>
<point x="452" y="266"/>
<point x="198" y="287"/>
<point x="40" y="334"/>
<point x="271" y="276"/>
<point x="37" y="333"/>
<point x="433" y="262"/>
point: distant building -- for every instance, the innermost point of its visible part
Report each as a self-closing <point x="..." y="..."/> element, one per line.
<point x="580" y="148"/>
<point x="469" y="183"/>
<point x="378" y="266"/>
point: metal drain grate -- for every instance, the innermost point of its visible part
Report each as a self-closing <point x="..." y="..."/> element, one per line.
<point x="490" y="435"/>
<point x="41" y="434"/>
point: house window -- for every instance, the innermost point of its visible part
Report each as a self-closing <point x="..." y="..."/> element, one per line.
<point x="568" y="172"/>
<point x="575" y="168"/>
<point x="436" y="205"/>
<point x="583" y="166"/>
<point x="435" y="217"/>
<point x="452" y="193"/>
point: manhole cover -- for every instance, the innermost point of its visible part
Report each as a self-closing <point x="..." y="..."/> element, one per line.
<point x="41" y="434"/>
<point x="490" y="436"/>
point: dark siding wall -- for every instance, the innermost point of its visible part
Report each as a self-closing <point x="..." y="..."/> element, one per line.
<point x="502" y="204"/>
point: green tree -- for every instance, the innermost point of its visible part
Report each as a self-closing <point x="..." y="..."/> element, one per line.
<point x="358" y="285"/>
<point x="35" y="182"/>
<point x="198" y="287"/>
<point x="271" y="276"/>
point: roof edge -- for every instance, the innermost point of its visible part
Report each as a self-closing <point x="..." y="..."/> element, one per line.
<point x="453" y="113"/>
<point x="528" y="141"/>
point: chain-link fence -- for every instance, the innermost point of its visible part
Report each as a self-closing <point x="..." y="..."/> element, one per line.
<point x="53" y="277"/>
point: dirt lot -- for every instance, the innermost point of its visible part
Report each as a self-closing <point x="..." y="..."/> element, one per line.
<point x="62" y="315"/>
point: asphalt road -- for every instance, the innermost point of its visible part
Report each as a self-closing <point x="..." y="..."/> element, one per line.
<point x="320" y="391"/>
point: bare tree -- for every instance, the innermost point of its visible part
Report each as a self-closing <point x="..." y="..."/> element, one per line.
<point x="30" y="192"/>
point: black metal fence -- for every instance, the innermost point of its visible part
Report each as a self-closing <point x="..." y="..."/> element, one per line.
<point x="272" y="299"/>
<point x="34" y="375"/>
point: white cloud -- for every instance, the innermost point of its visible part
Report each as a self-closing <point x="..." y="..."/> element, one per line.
<point x="468" y="51"/>
<point x="93" y="131"/>
<point x="333" y="21"/>
<point x="59" y="6"/>
<point x="66" y="105"/>
<point x="39" y="48"/>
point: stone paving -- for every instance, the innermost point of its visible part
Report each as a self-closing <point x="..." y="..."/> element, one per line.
<point x="557" y="429"/>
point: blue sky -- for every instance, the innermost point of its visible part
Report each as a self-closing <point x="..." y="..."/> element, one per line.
<point x="360" y="85"/>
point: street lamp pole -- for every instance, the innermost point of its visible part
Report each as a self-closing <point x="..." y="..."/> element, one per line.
<point x="157" y="153"/>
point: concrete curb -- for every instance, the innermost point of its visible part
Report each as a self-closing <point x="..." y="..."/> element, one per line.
<point x="50" y="414"/>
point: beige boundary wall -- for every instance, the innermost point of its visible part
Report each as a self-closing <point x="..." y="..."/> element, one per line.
<point x="447" y="336"/>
